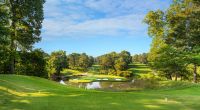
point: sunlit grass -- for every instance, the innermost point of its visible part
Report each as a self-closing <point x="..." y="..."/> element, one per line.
<point x="70" y="72"/>
<point x="80" y="80"/>
<point x="32" y="93"/>
<point x="92" y="78"/>
<point x="138" y="68"/>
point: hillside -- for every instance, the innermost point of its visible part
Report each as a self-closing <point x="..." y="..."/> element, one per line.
<point x="139" y="68"/>
<point x="32" y="93"/>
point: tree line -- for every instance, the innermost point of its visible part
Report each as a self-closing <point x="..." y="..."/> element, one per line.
<point x="58" y="60"/>
<point x="175" y="48"/>
<point x="20" y="29"/>
<point x="111" y="63"/>
<point x="115" y="63"/>
<point x="141" y="58"/>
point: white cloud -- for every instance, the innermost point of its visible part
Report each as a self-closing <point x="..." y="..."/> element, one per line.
<point x="80" y="18"/>
<point x="117" y="7"/>
<point x="107" y="26"/>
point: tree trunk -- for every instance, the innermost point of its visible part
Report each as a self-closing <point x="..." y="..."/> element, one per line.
<point x="175" y="77"/>
<point x="12" y="58"/>
<point x="170" y="76"/>
<point x="195" y="74"/>
<point x="181" y="77"/>
<point x="12" y="66"/>
<point x="13" y="36"/>
<point x="13" y="50"/>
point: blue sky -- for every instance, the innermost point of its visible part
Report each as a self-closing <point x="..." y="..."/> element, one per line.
<point x="97" y="27"/>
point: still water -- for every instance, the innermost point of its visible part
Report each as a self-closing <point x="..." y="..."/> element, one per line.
<point x="132" y="85"/>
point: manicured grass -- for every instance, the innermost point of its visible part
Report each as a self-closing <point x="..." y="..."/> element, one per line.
<point x="92" y="78"/>
<point x="138" y="68"/>
<point x="32" y="93"/>
<point x="70" y="72"/>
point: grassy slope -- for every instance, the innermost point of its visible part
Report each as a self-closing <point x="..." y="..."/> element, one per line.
<point x="138" y="68"/>
<point x="31" y="93"/>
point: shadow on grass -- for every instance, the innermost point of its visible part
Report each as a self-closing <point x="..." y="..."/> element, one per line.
<point x="64" y="98"/>
<point x="138" y="65"/>
<point x="135" y="71"/>
<point x="137" y="68"/>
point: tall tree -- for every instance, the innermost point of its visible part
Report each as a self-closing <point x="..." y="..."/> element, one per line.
<point x="178" y="27"/>
<point x="4" y="40"/>
<point x="107" y="61"/>
<point x="142" y="58"/>
<point x="120" y="64"/>
<point x="183" y="19"/>
<point x="84" y="61"/>
<point x="115" y="61"/>
<point x="26" y="18"/>
<point x="126" y="55"/>
<point x="56" y="62"/>
<point x="91" y="60"/>
<point x="171" y="62"/>
<point x="156" y="30"/>
<point x="73" y="60"/>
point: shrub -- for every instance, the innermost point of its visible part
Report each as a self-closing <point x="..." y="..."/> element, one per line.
<point x="124" y="73"/>
<point x="111" y="72"/>
<point x="103" y="71"/>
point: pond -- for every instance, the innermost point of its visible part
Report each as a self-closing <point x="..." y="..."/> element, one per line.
<point x="114" y="86"/>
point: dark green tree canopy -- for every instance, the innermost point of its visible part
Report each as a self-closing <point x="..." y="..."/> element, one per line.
<point x="26" y="22"/>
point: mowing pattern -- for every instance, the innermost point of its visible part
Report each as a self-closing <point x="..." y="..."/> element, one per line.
<point x="32" y="93"/>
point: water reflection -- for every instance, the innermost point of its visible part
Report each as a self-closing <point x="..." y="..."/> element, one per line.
<point x="93" y="85"/>
<point x="135" y="84"/>
<point x="62" y="82"/>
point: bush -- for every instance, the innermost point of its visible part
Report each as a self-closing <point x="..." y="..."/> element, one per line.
<point x="112" y="72"/>
<point x="124" y="73"/>
<point x="31" y="63"/>
<point x="103" y="71"/>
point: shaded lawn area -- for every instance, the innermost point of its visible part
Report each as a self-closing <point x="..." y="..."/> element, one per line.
<point x="31" y="93"/>
<point x="138" y="68"/>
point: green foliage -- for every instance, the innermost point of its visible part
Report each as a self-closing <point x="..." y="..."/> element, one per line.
<point x="114" y="61"/>
<point x="57" y="61"/>
<point x="107" y="61"/>
<point x="84" y="61"/>
<point x="94" y="69"/>
<point x="124" y="73"/>
<point x="32" y="63"/>
<point x="175" y="31"/>
<point x="80" y="61"/>
<point x="156" y="27"/>
<point x="141" y="58"/>
<point x="4" y="40"/>
<point x="73" y="60"/>
<point x="20" y="28"/>
<point x="120" y="64"/>
<point x="171" y="62"/>
<point x="26" y="17"/>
